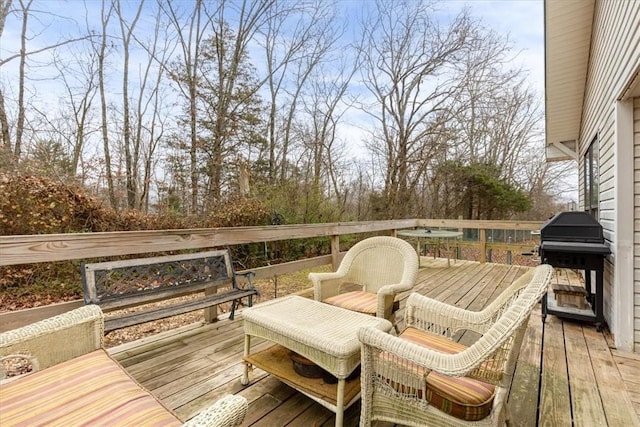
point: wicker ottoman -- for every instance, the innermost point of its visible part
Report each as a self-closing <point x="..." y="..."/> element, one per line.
<point x="324" y="334"/>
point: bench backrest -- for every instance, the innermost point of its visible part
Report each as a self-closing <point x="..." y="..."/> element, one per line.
<point x="119" y="284"/>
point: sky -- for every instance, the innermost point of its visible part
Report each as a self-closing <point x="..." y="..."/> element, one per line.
<point x="522" y="20"/>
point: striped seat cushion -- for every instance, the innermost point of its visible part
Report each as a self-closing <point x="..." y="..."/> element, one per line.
<point x="360" y="301"/>
<point x="91" y="390"/>
<point x="465" y="398"/>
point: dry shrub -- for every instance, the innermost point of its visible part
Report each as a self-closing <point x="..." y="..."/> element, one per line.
<point x="39" y="205"/>
<point x="237" y="212"/>
<point x="36" y="205"/>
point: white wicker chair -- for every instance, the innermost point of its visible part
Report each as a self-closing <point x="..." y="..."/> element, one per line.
<point x="379" y="267"/>
<point x="400" y="374"/>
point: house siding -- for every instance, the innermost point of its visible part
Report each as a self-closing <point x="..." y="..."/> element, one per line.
<point x="614" y="58"/>
<point x="636" y="224"/>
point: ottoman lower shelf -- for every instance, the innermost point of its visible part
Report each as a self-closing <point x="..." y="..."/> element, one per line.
<point x="275" y="360"/>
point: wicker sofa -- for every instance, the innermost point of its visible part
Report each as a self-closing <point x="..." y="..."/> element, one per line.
<point x="57" y="372"/>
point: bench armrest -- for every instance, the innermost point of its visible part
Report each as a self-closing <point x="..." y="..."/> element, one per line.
<point x="248" y="274"/>
<point x="57" y="339"/>
<point x="226" y="412"/>
<point x="248" y="277"/>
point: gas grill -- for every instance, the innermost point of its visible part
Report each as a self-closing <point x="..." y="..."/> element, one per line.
<point x="575" y="240"/>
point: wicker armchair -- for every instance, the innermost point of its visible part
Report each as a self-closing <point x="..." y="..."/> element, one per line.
<point x="56" y="372"/>
<point x="379" y="268"/>
<point x="424" y="377"/>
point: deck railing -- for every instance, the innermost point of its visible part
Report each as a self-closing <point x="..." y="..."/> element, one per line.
<point x="26" y="249"/>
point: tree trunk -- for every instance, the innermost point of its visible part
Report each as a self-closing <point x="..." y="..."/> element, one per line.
<point x="103" y="104"/>
<point x="17" y="148"/>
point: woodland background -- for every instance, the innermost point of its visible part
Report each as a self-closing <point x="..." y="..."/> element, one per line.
<point x="163" y="114"/>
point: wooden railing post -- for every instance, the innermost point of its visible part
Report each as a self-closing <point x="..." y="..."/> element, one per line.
<point x="335" y="251"/>
<point x="483" y="245"/>
<point x="211" y="313"/>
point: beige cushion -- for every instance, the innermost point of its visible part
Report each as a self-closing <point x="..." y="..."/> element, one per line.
<point x="360" y="301"/>
<point x="462" y="397"/>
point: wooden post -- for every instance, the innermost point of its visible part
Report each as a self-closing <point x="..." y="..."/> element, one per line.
<point x="335" y="251"/>
<point x="461" y="230"/>
<point x="211" y="313"/>
<point x="483" y="245"/>
<point x="275" y="286"/>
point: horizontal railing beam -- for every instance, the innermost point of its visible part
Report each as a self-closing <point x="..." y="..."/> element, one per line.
<point x="59" y="247"/>
<point x="16" y="250"/>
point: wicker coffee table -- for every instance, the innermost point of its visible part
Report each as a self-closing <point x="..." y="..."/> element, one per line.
<point x="324" y="334"/>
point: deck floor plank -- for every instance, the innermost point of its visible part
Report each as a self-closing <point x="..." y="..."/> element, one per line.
<point x="485" y="279"/>
<point x="496" y="281"/>
<point x="285" y="413"/>
<point x="615" y="400"/>
<point x="191" y="367"/>
<point x="523" y="399"/>
<point x="184" y="377"/>
<point x="313" y="415"/>
<point x="585" y="399"/>
<point x="462" y="286"/>
<point x="261" y="407"/>
<point x="629" y="366"/>
<point x="222" y="377"/>
<point x="152" y="365"/>
<point x="555" y="406"/>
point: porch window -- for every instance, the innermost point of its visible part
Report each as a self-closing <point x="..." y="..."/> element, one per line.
<point x="591" y="179"/>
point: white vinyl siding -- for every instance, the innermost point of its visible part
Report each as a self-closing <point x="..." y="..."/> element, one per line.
<point x="636" y="231"/>
<point x="614" y="58"/>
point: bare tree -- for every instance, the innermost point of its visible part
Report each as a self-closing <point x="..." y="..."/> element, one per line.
<point x="325" y="107"/>
<point x="5" y="140"/>
<point x="15" y="146"/>
<point x="131" y="147"/>
<point x="290" y="60"/>
<point x="101" y="49"/>
<point x="5" y="146"/>
<point x="405" y="58"/>
<point x="230" y="107"/>
<point x="185" y="74"/>
<point x="494" y="113"/>
<point x="492" y="121"/>
<point x="151" y="128"/>
<point x="80" y="85"/>
<point x="229" y="86"/>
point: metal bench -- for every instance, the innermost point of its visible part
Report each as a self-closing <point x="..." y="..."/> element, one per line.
<point x="118" y="285"/>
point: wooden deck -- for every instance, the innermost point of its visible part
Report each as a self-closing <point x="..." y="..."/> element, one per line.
<point x="567" y="373"/>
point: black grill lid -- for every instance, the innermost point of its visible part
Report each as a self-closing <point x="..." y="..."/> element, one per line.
<point x="572" y="227"/>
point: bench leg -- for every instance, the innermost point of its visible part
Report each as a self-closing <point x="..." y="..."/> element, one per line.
<point x="233" y="310"/>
